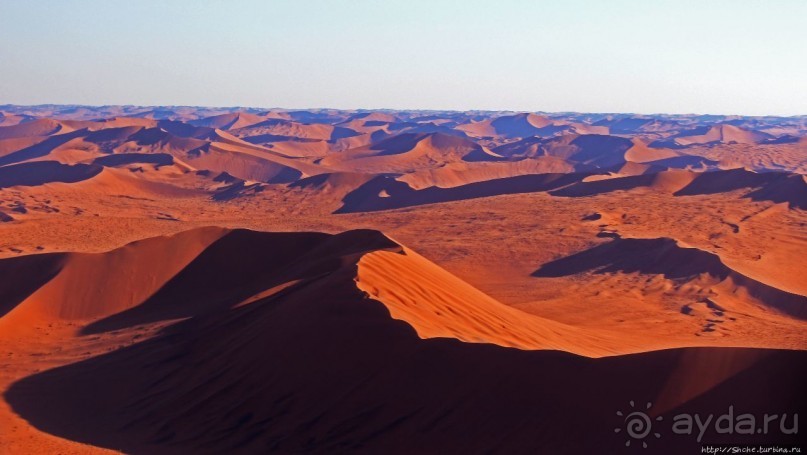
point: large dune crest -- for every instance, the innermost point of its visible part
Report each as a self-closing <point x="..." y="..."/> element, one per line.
<point x="179" y="279"/>
<point x="409" y="152"/>
<point x="123" y="288"/>
<point x="721" y="133"/>
<point x="684" y="265"/>
<point x="267" y="350"/>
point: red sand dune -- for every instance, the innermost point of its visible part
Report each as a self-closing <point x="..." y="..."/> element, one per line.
<point x="775" y="187"/>
<point x="385" y="193"/>
<point x="230" y="121"/>
<point x="519" y="125"/>
<point x="243" y="359"/>
<point x="38" y="127"/>
<point x="42" y="172"/>
<point x="7" y="119"/>
<point x="719" y="134"/>
<point x="11" y="145"/>
<point x="463" y="173"/>
<point x="590" y="149"/>
<point x="527" y="125"/>
<point x="409" y="152"/>
<point x="566" y="265"/>
<point x="279" y="129"/>
<point x="679" y="263"/>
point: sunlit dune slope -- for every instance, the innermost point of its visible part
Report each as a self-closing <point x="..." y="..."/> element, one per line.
<point x="313" y="342"/>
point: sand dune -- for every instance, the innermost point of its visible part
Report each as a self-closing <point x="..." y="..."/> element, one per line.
<point x="7" y="119"/>
<point x="230" y="121"/>
<point x="275" y="128"/>
<point x="199" y="279"/>
<point x="677" y="262"/>
<point x="42" y="172"/>
<point x="717" y="134"/>
<point x="11" y="145"/>
<point x="85" y="286"/>
<point x="409" y="152"/>
<point x="463" y="173"/>
<point x="773" y="186"/>
<point x="237" y="373"/>
<point x="791" y="190"/>
<point x="115" y="146"/>
<point x="294" y="138"/>
<point x="125" y="183"/>
<point x="631" y="124"/>
<point x="331" y="187"/>
<point x="642" y="153"/>
<point x="118" y="122"/>
<point x="668" y="181"/>
<point x="393" y="281"/>
<point x="590" y="149"/>
<point x="519" y="125"/>
<point x="526" y="125"/>
<point x="262" y="391"/>
<point x="122" y="159"/>
<point x="366" y="122"/>
<point x="38" y="127"/>
<point x="384" y="193"/>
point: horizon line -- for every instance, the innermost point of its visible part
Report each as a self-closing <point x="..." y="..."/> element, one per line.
<point x="687" y="114"/>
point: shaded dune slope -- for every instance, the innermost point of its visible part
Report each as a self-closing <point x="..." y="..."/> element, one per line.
<point x="594" y="150"/>
<point x="384" y="192"/>
<point x="281" y="349"/>
<point x="667" y="257"/>
<point x="42" y="172"/>
<point x="38" y="127"/>
<point x="717" y="134"/>
<point x="387" y="192"/>
<point x="122" y="288"/>
<point x="771" y="186"/>
<point x="213" y="150"/>
<point x="408" y="152"/>
<point x="294" y="376"/>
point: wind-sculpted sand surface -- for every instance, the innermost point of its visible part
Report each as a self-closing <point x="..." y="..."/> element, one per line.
<point x="190" y="280"/>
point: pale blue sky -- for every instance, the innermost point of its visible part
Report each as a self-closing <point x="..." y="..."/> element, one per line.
<point x="648" y="56"/>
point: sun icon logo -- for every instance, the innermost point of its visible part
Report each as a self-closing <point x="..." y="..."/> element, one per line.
<point x="638" y="424"/>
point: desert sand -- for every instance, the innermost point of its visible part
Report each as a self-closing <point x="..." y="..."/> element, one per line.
<point x="204" y="280"/>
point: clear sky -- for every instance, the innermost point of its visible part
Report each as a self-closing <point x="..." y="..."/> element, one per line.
<point x="648" y="56"/>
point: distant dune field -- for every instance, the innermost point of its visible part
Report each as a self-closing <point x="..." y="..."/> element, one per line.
<point x="204" y="280"/>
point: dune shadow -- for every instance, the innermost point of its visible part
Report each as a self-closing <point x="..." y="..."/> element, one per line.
<point x="122" y="159"/>
<point x="385" y="193"/>
<point x="41" y="172"/>
<point x="660" y="256"/>
<point x="683" y="161"/>
<point x="40" y="149"/>
<point x="286" y="175"/>
<point x="266" y="138"/>
<point x="729" y="180"/>
<point x="322" y="369"/>
<point x="340" y="132"/>
<point x="212" y="283"/>
<point x="771" y="186"/>
<point x="22" y="276"/>
<point x="664" y="256"/>
<point x="609" y="185"/>
<point x="791" y="189"/>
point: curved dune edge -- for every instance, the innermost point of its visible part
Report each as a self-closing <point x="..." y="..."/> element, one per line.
<point x="439" y="305"/>
<point x="335" y="337"/>
<point x="88" y="287"/>
<point x="142" y="281"/>
<point x="683" y="264"/>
